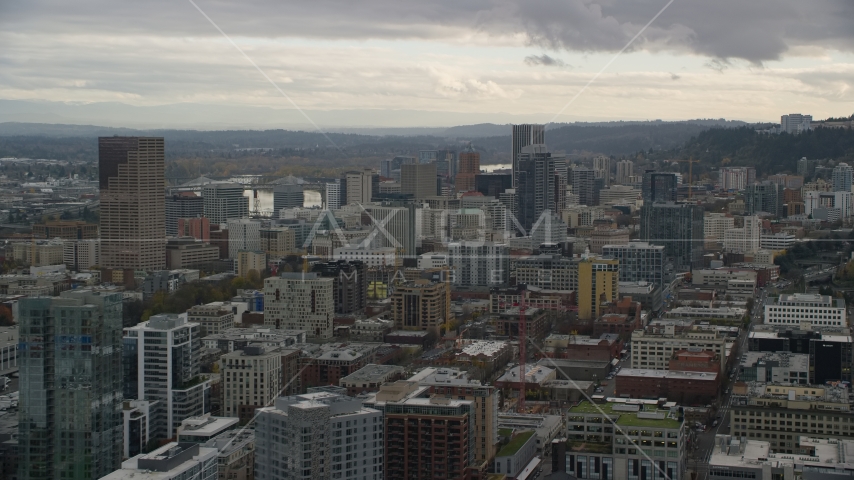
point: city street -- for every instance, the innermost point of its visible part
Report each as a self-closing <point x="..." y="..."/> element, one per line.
<point x="699" y="460"/>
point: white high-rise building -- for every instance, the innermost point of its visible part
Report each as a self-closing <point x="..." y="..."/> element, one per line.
<point x="161" y="360"/>
<point x="300" y="301"/>
<point x="745" y="239"/>
<point x="602" y="168"/>
<point x="243" y="234"/>
<point x="479" y="263"/>
<point x="715" y="226"/>
<point x="843" y="174"/>
<point x="795" y="123"/>
<point x="319" y="435"/>
<point x="333" y="195"/>
<point x="224" y="201"/>
<point x="625" y="170"/>
<point x="81" y="254"/>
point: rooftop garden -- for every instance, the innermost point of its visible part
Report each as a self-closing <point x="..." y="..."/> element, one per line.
<point x="515" y="444"/>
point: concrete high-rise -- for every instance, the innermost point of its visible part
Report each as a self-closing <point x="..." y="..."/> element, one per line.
<point x="602" y="168"/>
<point x="224" y="201"/>
<point x="625" y="169"/>
<point x="182" y="205"/>
<point x="161" y="363"/>
<point x="350" y="284"/>
<point x="359" y="187"/>
<point x="639" y="262"/>
<point x="679" y="228"/>
<point x="333" y="195"/>
<point x="658" y="187"/>
<point x="479" y="263"/>
<point x="522" y="136"/>
<point x="131" y="176"/>
<point x="535" y="184"/>
<point x="70" y="418"/>
<point x="418" y="180"/>
<point x="243" y="234"/>
<point x="319" y="435"/>
<point x="584" y="185"/>
<point x="300" y="301"/>
<point x="287" y="195"/>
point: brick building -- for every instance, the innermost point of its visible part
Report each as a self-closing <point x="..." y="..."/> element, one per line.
<point x="676" y="386"/>
<point x="695" y="360"/>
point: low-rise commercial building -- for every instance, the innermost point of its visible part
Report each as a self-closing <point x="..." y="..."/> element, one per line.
<point x="370" y="377"/>
<point x="683" y="387"/>
<point x="814" y="459"/>
<point x="213" y="319"/>
<point x="804" y="308"/>
<point x="780" y="413"/>
<point x="173" y="461"/>
<point x="597" y="440"/>
<point x="775" y="367"/>
<point x="652" y="348"/>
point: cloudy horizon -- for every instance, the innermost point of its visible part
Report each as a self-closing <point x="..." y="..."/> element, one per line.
<point x="500" y="60"/>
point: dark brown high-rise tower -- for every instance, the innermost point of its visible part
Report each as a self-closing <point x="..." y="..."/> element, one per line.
<point x="131" y="174"/>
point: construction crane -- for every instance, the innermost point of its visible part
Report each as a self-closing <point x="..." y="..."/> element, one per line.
<point x="523" y="340"/>
<point x="690" y="163"/>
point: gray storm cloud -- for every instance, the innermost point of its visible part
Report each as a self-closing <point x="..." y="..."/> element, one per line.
<point x="754" y="30"/>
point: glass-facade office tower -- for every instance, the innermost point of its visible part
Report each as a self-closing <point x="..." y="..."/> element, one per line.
<point x="524" y="135"/>
<point x="535" y="184"/>
<point x="679" y="228"/>
<point x="70" y="419"/>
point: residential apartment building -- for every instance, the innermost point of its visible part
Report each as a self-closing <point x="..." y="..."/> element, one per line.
<point x="251" y="379"/>
<point x="224" y="201"/>
<point x="213" y="319"/>
<point x="625" y="170"/>
<point x="300" y="301"/>
<point x="455" y="383"/>
<point x="426" y="436"/>
<point x="744" y="239"/>
<point x="160" y="360"/>
<point x="173" y="461"/>
<point x="277" y="242"/>
<point x="421" y="305"/>
<point x="371" y="257"/>
<point x="805" y="308"/>
<point x="598" y="283"/>
<point x="81" y="254"/>
<point x="764" y="197"/>
<point x="679" y="228"/>
<point x="248" y="261"/>
<point x="243" y="234"/>
<point x="547" y="271"/>
<point x="652" y="348"/>
<point x="479" y="263"/>
<point x="715" y="226"/>
<point x="70" y="404"/>
<point x="349" y="284"/>
<point x="319" y="435"/>
<point x="639" y="262"/>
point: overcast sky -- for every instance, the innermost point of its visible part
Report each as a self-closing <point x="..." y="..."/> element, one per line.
<point x="739" y="59"/>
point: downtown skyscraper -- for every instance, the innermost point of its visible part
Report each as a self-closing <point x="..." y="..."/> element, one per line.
<point x="131" y="176"/>
<point x="535" y="186"/>
<point x="70" y="419"/>
<point x="524" y="135"/>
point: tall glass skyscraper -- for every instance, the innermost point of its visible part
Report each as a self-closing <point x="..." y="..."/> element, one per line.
<point x="71" y="386"/>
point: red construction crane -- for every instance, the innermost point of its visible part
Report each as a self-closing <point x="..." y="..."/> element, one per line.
<point x="523" y="340"/>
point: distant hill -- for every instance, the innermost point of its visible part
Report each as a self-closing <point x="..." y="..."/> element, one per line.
<point x="717" y="147"/>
